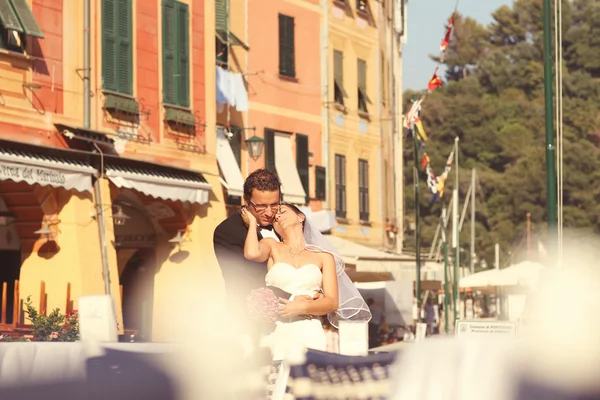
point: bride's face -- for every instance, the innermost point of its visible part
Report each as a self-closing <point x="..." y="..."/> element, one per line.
<point x="285" y="219"/>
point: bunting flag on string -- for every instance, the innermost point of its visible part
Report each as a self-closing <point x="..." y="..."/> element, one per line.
<point x="432" y="184"/>
<point x="411" y="118"/>
<point x="425" y="161"/>
<point x="447" y="36"/>
<point x="435" y="82"/>
<point x="441" y="180"/>
<point x="421" y="131"/>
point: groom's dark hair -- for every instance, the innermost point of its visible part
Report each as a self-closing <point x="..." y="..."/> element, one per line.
<point x="262" y="180"/>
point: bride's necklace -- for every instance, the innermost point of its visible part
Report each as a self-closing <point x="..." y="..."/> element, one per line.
<point x="292" y="252"/>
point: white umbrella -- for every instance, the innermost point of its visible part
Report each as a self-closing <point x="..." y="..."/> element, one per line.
<point x="525" y="273"/>
<point x="479" y="280"/>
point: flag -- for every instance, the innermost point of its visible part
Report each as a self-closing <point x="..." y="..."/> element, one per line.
<point x="435" y="82"/>
<point x="420" y="129"/>
<point x="441" y="185"/>
<point x="425" y="161"/>
<point x="432" y="184"/>
<point x="446" y="40"/>
<point x="541" y="249"/>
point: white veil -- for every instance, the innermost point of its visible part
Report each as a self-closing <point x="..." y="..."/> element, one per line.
<point x="351" y="305"/>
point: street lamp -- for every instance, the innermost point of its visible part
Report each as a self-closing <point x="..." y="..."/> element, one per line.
<point x="120" y="218"/>
<point x="255" y="146"/>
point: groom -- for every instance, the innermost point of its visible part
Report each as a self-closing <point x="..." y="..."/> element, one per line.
<point x="262" y="194"/>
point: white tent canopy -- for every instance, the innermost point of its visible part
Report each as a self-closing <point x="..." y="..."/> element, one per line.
<point x="523" y="274"/>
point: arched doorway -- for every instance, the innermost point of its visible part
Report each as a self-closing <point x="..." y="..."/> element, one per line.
<point x="135" y="243"/>
<point x="10" y="262"/>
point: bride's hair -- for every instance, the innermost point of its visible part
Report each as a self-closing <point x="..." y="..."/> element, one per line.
<point x="297" y="211"/>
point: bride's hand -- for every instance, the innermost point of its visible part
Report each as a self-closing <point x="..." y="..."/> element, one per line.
<point x="247" y="216"/>
<point x="294" y="308"/>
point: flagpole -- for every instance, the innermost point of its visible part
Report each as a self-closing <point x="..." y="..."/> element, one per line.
<point x="446" y="286"/>
<point x="417" y="223"/>
<point x="455" y="234"/>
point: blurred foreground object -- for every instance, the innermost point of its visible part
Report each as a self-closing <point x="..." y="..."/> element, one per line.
<point x="97" y="319"/>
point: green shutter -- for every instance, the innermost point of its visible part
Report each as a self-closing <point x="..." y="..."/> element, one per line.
<point x="30" y="25"/>
<point x="183" y="43"/>
<point x="9" y="18"/>
<point x="302" y="162"/>
<point x="269" y="150"/>
<point x="109" y="46"/>
<point x="286" y="46"/>
<point x="320" y="183"/>
<point x="124" y="47"/>
<point x="168" y="51"/>
<point x="221" y="19"/>
<point x="236" y="145"/>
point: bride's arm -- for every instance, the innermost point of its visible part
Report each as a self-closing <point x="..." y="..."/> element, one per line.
<point x="324" y="304"/>
<point x="255" y="250"/>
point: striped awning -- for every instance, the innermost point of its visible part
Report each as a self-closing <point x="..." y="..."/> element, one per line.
<point x="160" y="183"/>
<point x="45" y="169"/>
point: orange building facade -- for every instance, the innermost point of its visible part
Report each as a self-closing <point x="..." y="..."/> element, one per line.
<point x="108" y="162"/>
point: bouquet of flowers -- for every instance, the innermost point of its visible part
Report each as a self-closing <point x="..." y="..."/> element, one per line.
<point x="263" y="305"/>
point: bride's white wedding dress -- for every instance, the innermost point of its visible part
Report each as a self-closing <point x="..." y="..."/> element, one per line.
<point x="306" y="280"/>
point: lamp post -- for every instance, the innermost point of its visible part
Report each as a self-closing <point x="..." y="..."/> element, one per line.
<point x="255" y="146"/>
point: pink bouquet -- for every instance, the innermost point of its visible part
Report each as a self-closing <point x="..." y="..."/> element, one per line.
<point x="263" y="305"/>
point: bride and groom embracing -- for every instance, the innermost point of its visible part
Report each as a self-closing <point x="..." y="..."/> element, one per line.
<point x="273" y="244"/>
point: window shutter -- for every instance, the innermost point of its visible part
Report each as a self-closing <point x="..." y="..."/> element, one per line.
<point x="362" y="74"/>
<point x="340" y="186"/>
<point x="286" y="46"/>
<point x="338" y="67"/>
<point x="124" y="47"/>
<point x="183" y="44"/>
<point x="168" y="43"/>
<point x="302" y="162"/>
<point x="221" y="20"/>
<point x="270" y="150"/>
<point x="109" y="46"/>
<point x="25" y="15"/>
<point x="236" y="145"/>
<point x="363" y="189"/>
<point x="320" y="183"/>
<point x="343" y="179"/>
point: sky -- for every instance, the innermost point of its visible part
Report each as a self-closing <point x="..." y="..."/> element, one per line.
<point x="426" y="20"/>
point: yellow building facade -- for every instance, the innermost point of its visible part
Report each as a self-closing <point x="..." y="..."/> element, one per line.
<point x="354" y="122"/>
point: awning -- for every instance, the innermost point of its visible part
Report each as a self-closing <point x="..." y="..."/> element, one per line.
<point x="45" y="170"/>
<point x="365" y="258"/>
<point x="171" y="184"/>
<point x="230" y="170"/>
<point x="291" y="185"/>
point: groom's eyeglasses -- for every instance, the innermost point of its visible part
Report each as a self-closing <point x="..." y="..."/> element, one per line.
<point x="263" y="207"/>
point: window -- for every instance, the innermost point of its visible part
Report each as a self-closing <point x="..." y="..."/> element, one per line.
<point x="17" y="22"/>
<point x="269" y="149"/>
<point x="338" y="77"/>
<point x="362" y="6"/>
<point x="320" y="183"/>
<point x="117" y="53"/>
<point x="223" y="36"/>
<point x="363" y="99"/>
<point x="287" y="65"/>
<point x="363" y="190"/>
<point x="175" y="53"/>
<point x="302" y="162"/>
<point x="340" y="186"/>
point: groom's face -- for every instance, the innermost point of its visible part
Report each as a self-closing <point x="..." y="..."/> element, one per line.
<point x="264" y="206"/>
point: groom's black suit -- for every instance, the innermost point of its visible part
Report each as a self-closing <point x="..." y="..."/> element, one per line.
<point x="241" y="275"/>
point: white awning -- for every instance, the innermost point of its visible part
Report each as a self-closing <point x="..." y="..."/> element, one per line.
<point x="291" y="185"/>
<point x="184" y="186"/>
<point x="230" y="170"/>
<point x="44" y="170"/>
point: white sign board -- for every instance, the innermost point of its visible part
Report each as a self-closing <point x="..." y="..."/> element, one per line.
<point x="97" y="319"/>
<point x="496" y="328"/>
<point x="421" y="332"/>
<point x="354" y="338"/>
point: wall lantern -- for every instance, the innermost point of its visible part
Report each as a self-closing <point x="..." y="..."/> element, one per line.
<point x="46" y="232"/>
<point x="255" y="146"/>
<point x="120" y="218"/>
<point x="7" y="218"/>
<point x="178" y="239"/>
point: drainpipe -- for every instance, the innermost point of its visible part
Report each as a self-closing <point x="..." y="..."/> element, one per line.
<point x="86" y="124"/>
<point x="247" y="72"/>
<point x="325" y="116"/>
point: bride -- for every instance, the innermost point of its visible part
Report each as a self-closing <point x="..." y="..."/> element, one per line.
<point x="303" y="264"/>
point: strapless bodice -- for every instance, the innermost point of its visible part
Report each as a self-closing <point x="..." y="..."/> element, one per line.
<point x="306" y="280"/>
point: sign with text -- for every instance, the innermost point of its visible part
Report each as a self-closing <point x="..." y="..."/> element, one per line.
<point x="33" y="175"/>
<point x="496" y="328"/>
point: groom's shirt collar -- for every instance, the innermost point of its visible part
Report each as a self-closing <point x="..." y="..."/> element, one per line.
<point x="267" y="232"/>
